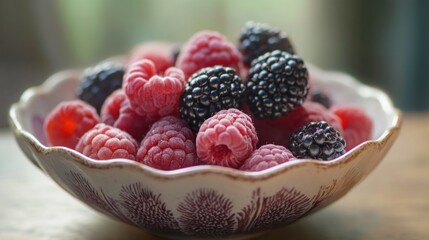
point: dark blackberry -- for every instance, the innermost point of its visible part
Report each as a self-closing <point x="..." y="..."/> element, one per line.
<point x="99" y="82"/>
<point x="258" y="38"/>
<point x="317" y="140"/>
<point x="208" y="91"/>
<point x="321" y="97"/>
<point x="277" y="83"/>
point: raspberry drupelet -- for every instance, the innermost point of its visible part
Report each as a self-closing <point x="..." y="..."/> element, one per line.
<point x="168" y="145"/>
<point x="226" y="139"/>
<point x="357" y="124"/>
<point x="151" y="95"/>
<point x="117" y="112"/>
<point x="267" y="156"/>
<point x="207" y="49"/>
<point x="68" y="121"/>
<point x="105" y="142"/>
<point x="160" y="53"/>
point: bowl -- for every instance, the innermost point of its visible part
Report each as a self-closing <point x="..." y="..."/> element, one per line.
<point x="205" y="201"/>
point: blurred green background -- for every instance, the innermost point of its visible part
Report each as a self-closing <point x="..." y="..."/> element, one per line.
<point x="383" y="43"/>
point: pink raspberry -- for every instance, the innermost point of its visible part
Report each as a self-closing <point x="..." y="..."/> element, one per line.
<point x="207" y="49"/>
<point x="111" y="107"/>
<point x="169" y="145"/>
<point x="151" y="95"/>
<point x="226" y="139"/>
<point x="106" y="142"/>
<point x="356" y="123"/>
<point x="278" y="131"/>
<point x="160" y="53"/>
<point x="267" y="156"/>
<point x="117" y="112"/>
<point x="68" y="121"/>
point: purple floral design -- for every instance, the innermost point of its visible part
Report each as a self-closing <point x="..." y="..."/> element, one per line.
<point x="80" y="186"/>
<point x="146" y="209"/>
<point x="205" y="212"/>
<point x="285" y="206"/>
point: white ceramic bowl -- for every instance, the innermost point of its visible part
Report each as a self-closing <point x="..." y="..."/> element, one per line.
<point x="205" y="201"/>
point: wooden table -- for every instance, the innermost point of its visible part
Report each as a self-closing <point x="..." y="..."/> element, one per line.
<point x="392" y="203"/>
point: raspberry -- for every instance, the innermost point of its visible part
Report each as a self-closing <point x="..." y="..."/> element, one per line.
<point x="208" y="91"/>
<point x="356" y="123"/>
<point x="267" y="156"/>
<point x="99" y="82"/>
<point x="317" y="140"/>
<point x="169" y="145"/>
<point x="226" y="139"/>
<point x="278" y="131"/>
<point x="117" y="112"/>
<point x="160" y="53"/>
<point x="207" y="49"/>
<point x="68" y="121"/>
<point x="150" y="95"/>
<point x="106" y="142"/>
<point x="258" y="38"/>
<point x="111" y="107"/>
<point x="277" y="83"/>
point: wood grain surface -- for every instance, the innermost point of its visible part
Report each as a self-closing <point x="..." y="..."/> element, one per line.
<point x="392" y="203"/>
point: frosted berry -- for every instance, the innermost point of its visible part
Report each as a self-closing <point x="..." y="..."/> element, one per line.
<point x="259" y="38"/>
<point x="99" y="82"/>
<point x="226" y="139"/>
<point x="317" y="140"/>
<point x="168" y="145"/>
<point x="357" y="124"/>
<point x="267" y="156"/>
<point x="105" y="142"/>
<point x="151" y="95"/>
<point x="208" y="49"/>
<point x="209" y="91"/>
<point x="160" y="53"/>
<point x="277" y="83"/>
<point x="117" y="112"/>
<point x="68" y="121"/>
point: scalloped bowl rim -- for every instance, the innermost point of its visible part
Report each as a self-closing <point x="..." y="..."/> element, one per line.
<point x="362" y="89"/>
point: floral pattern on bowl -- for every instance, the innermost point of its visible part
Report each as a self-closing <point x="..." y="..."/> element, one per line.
<point x="205" y="201"/>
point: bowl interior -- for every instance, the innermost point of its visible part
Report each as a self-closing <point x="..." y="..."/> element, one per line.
<point x="37" y="102"/>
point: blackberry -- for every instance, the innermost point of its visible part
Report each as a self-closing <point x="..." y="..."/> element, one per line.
<point x="277" y="83"/>
<point x="99" y="82"/>
<point x="321" y="97"/>
<point x="208" y="91"/>
<point x="317" y="140"/>
<point x="258" y="38"/>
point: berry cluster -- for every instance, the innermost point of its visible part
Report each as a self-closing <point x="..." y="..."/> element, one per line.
<point x="249" y="106"/>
